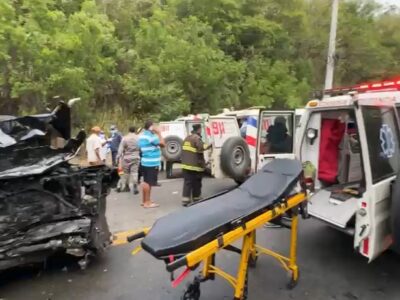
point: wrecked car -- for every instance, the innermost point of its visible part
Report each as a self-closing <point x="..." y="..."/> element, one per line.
<point x="48" y="205"/>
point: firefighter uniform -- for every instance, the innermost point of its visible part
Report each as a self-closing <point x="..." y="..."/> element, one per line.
<point x="193" y="165"/>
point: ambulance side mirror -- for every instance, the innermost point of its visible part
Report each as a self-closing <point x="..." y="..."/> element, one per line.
<point x="312" y="134"/>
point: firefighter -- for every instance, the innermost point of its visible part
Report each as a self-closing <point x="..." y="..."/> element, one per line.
<point x="193" y="165"/>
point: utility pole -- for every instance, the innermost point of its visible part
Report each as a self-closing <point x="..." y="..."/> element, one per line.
<point x="330" y="64"/>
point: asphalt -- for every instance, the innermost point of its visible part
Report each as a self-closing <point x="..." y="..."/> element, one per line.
<point x="329" y="268"/>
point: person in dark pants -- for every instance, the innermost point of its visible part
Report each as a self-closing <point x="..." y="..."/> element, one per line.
<point x="193" y="165"/>
<point x="114" y="142"/>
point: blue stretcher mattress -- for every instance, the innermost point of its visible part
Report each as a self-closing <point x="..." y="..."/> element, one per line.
<point x="190" y="228"/>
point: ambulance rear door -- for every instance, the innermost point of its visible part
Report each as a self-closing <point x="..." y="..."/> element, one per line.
<point x="175" y="128"/>
<point x="276" y="136"/>
<point x="221" y="128"/>
<point x="380" y="143"/>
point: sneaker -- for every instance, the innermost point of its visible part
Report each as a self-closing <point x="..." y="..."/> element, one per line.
<point x="118" y="190"/>
<point x="195" y="199"/>
<point x="126" y="189"/>
<point x="185" y="201"/>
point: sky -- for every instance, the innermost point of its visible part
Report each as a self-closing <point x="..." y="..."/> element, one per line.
<point x="389" y="2"/>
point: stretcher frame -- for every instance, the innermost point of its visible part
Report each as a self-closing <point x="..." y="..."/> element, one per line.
<point x="249" y="251"/>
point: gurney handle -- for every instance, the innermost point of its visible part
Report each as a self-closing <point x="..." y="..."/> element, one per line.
<point x="136" y="236"/>
<point x="176" y="264"/>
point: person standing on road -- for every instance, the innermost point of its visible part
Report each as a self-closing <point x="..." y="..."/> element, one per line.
<point x="104" y="149"/>
<point x="114" y="142"/>
<point x="93" y="147"/>
<point x="193" y="165"/>
<point x="129" y="160"/>
<point x="150" y="142"/>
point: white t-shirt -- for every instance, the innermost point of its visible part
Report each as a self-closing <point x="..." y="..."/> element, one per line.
<point x="93" y="143"/>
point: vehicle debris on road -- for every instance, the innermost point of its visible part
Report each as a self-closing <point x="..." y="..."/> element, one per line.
<point x="48" y="205"/>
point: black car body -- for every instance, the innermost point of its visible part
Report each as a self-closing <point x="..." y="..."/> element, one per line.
<point x="48" y="205"/>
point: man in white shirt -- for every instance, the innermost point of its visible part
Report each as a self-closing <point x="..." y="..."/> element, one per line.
<point x="93" y="147"/>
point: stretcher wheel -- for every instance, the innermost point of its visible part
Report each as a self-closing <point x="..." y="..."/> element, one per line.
<point x="192" y="291"/>
<point x="292" y="281"/>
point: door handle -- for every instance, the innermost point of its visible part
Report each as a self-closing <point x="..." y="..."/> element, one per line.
<point x="363" y="228"/>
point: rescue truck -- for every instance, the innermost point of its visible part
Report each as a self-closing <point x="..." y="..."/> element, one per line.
<point x="348" y="143"/>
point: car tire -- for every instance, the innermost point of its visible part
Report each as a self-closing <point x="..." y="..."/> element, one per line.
<point x="173" y="148"/>
<point x="395" y="215"/>
<point x="235" y="158"/>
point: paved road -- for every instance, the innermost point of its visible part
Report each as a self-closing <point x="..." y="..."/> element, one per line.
<point x="330" y="270"/>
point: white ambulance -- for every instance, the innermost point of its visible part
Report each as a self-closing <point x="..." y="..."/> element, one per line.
<point x="349" y="145"/>
<point x="230" y="156"/>
<point x="233" y="136"/>
<point x="174" y="132"/>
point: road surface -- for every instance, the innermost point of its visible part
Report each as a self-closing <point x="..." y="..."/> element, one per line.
<point x="330" y="270"/>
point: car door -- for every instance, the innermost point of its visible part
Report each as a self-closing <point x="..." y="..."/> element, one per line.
<point x="379" y="138"/>
<point x="276" y="136"/>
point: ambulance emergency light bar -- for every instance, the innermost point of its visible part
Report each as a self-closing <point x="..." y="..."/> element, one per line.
<point x="378" y="86"/>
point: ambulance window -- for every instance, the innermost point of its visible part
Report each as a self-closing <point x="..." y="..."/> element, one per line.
<point x="383" y="141"/>
<point x="276" y="134"/>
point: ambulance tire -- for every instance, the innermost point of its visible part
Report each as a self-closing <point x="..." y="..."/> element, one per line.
<point x="395" y="215"/>
<point x="173" y="148"/>
<point x="235" y="158"/>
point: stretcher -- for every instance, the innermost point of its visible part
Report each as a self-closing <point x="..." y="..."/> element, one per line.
<point x="191" y="237"/>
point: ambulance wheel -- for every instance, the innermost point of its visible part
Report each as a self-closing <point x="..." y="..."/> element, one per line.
<point x="235" y="158"/>
<point x="292" y="281"/>
<point x="395" y="215"/>
<point x="173" y="148"/>
<point x="192" y="291"/>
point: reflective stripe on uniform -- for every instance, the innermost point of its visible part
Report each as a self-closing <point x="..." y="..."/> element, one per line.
<point x="192" y="168"/>
<point x="189" y="148"/>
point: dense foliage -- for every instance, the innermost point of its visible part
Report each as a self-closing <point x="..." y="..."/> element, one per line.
<point x="130" y="59"/>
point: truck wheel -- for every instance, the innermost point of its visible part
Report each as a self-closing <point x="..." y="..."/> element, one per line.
<point x="395" y="215"/>
<point x="173" y="148"/>
<point x="235" y="158"/>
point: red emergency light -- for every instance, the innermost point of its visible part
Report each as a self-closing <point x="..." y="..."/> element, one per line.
<point x="377" y="86"/>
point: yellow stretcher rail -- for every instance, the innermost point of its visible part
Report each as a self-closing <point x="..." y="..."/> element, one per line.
<point x="249" y="251"/>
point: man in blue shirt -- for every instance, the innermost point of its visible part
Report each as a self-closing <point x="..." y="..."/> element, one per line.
<point x="149" y="144"/>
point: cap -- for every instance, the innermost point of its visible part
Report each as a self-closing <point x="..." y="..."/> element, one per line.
<point x="113" y="127"/>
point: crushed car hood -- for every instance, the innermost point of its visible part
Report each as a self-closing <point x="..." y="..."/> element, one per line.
<point x="26" y="142"/>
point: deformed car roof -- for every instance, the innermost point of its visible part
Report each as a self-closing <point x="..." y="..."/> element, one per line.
<point x="25" y="142"/>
